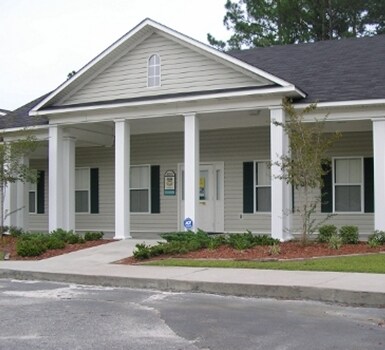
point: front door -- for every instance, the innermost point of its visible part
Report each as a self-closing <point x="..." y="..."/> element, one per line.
<point x="210" y="210"/>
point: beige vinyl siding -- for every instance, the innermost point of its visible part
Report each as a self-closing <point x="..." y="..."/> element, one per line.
<point x="353" y="144"/>
<point x="182" y="70"/>
<point x="165" y="150"/>
<point x="39" y="222"/>
<point x="231" y="146"/>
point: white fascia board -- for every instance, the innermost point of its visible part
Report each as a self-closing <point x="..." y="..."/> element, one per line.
<point x="173" y="33"/>
<point x="354" y="103"/>
<point x="25" y="128"/>
<point x="276" y="90"/>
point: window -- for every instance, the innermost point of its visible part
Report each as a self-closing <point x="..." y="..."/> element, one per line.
<point x="82" y="190"/>
<point x="262" y="187"/>
<point x="140" y="189"/>
<point x="32" y="198"/>
<point x="153" y="75"/>
<point x="36" y="194"/>
<point x="348" y="185"/>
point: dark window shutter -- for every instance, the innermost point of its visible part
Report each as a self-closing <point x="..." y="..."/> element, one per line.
<point x="40" y="192"/>
<point x="369" y="185"/>
<point x="327" y="190"/>
<point x="292" y="199"/>
<point x="155" y="189"/>
<point x="94" y="188"/>
<point x="248" y="187"/>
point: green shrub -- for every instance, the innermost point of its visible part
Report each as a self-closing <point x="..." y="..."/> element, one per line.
<point x="16" y="231"/>
<point x="325" y="232"/>
<point x="53" y="242"/>
<point x="30" y="247"/>
<point x="376" y="239"/>
<point x="75" y="238"/>
<point x="265" y="240"/>
<point x="93" y="236"/>
<point x="61" y="234"/>
<point x="216" y="242"/>
<point x="335" y="242"/>
<point x="241" y="241"/>
<point x="142" y="251"/>
<point x="349" y="234"/>
<point x="247" y="240"/>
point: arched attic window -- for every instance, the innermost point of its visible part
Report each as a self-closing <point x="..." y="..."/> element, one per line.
<point x="153" y="75"/>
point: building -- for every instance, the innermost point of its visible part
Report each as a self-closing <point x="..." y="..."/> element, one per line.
<point x="160" y="128"/>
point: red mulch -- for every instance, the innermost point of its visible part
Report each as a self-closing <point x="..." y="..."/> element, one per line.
<point x="288" y="250"/>
<point x="8" y="245"/>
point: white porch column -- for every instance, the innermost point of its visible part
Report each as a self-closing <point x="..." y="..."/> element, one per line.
<point x="56" y="169"/>
<point x="280" y="191"/>
<point x="379" y="173"/>
<point x="122" y="179"/>
<point x="10" y="204"/>
<point x="68" y="183"/>
<point x="22" y="213"/>
<point x="191" y="169"/>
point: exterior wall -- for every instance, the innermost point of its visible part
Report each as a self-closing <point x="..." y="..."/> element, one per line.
<point x="350" y="144"/>
<point x="231" y="146"/>
<point x="182" y="70"/>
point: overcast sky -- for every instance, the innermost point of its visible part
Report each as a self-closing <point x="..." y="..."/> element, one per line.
<point x="41" y="41"/>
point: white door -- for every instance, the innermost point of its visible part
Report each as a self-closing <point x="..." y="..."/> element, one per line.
<point x="210" y="212"/>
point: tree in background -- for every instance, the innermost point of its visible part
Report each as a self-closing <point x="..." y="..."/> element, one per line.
<point x="304" y="165"/>
<point x="277" y="22"/>
<point x="13" y="169"/>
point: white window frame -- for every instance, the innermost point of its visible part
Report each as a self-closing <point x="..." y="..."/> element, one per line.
<point x="259" y="186"/>
<point x="348" y="184"/>
<point x="81" y="189"/>
<point x="149" y="72"/>
<point x="142" y="188"/>
<point x="33" y="190"/>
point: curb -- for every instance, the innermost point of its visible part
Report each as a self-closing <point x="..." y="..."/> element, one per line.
<point x="340" y="296"/>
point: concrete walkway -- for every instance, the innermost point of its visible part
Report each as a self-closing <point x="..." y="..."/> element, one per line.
<point x="94" y="266"/>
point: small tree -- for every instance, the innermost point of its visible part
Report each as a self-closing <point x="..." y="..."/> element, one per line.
<point x="304" y="166"/>
<point x="13" y="169"/>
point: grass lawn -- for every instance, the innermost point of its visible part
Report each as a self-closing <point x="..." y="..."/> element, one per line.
<point x="364" y="263"/>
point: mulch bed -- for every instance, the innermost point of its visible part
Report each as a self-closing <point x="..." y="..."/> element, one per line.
<point x="8" y="245"/>
<point x="288" y="250"/>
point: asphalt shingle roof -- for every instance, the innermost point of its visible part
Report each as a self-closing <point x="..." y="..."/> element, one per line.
<point x="20" y="118"/>
<point x="334" y="70"/>
<point x="4" y="111"/>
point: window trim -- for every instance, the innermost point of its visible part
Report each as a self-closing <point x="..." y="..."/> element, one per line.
<point x="362" y="185"/>
<point x="142" y="188"/>
<point x="88" y="190"/>
<point x="255" y="186"/>
<point x="153" y="76"/>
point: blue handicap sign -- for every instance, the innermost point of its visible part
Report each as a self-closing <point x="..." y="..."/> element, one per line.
<point x="188" y="223"/>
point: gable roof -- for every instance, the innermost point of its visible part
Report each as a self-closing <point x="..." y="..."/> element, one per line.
<point x="130" y="40"/>
<point x="349" y="70"/>
<point x="333" y="70"/>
